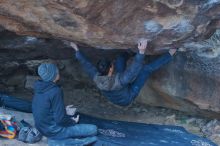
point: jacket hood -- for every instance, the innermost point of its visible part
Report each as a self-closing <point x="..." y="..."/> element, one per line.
<point x="108" y="83"/>
<point x="42" y="86"/>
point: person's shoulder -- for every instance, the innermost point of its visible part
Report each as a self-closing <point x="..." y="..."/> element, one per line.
<point x="56" y="92"/>
<point x="56" y="89"/>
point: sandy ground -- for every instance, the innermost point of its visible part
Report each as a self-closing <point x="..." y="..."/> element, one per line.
<point x="92" y="103"/>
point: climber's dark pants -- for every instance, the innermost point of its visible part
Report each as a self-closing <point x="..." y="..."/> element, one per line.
<point x="147" y="69"/>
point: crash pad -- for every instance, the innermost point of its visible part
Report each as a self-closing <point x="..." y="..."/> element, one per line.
<point x="119" y="133"/>
<point x="15" y="103"/>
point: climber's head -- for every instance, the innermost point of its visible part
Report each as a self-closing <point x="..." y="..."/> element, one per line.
<point x="105" y="67"/>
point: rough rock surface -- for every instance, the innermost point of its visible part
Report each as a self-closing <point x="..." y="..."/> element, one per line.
<point x="114" y="24"/>
<point x="189" y="83"/>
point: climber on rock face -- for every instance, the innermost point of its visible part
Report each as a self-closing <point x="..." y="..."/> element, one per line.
<point x="121" y="84"/>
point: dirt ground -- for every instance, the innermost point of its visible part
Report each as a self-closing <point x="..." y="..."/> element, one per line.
<point x="90" y="101"/>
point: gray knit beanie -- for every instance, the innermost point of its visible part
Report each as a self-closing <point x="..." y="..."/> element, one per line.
<point x="48" y="71"/>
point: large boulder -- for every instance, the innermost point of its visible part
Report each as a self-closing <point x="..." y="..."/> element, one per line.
<point x="189" y="83"/>
<point x="113" y="24"/>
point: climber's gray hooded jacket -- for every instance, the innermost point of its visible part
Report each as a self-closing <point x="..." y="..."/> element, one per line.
<point x="115" y="87"/>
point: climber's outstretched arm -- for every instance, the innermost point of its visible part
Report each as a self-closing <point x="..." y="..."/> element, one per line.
<point x="87" y="66"/>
